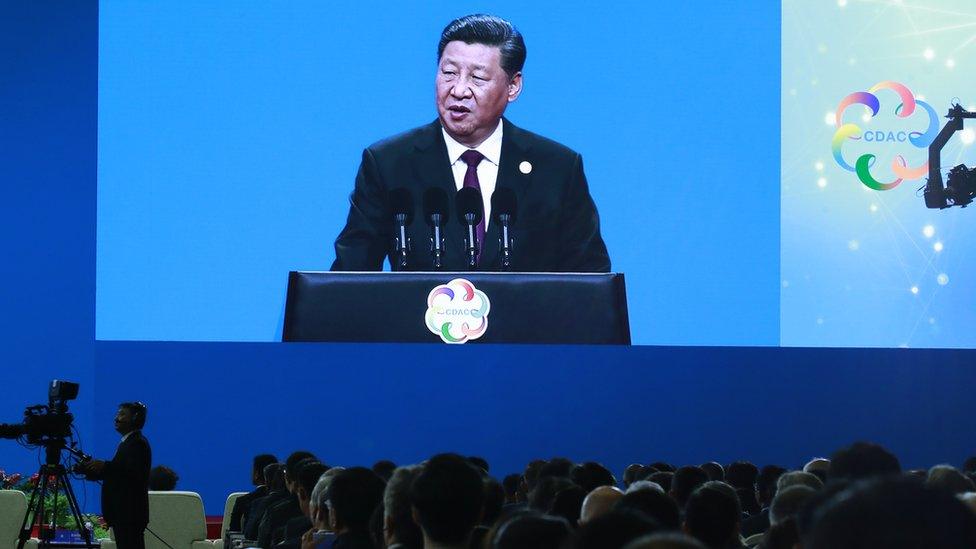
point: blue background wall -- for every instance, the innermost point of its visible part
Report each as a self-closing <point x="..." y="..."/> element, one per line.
<point x="213" y="405"/>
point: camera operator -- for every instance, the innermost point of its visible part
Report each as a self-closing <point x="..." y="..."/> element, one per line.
<point x="125" y="496"/>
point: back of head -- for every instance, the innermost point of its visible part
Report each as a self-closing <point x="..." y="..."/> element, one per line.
<point x="969" y="466"/>
<point x="657" y="505"/>
<point x="511" y="484"/>
<point x="568" y="504"/>
<point x="599" y="502"/>
<point x="798" y="478"/>
<point x="713" y="514"/>
<point x="591" y="475"/>
<point x="291" y="464"/>
<point x="257" y="468"/>
<point x="479" y="462"/>
<point x="766" y="483"/>
<point x="949" y="479"/>
<point x="662" y="478"/>
<point x="615" y="529"/>
<point x="494" y="501"/>
<point x="397" y="509"/>
<point x="783" y="535"/>
<point x="863" y="460"/>
<point x="162" y="478"/>
<point x="662" y="466"/>
<point x="309" y="476"/>
<point x="545" y="491"/>
<point x="788" y="502"/>
<point x="489" y="31"/>
<point x="742" y="475"/>
<point x="633" y="473"/>
<point x="275" y="474"/>
<point x="686" y="479"/>
<point x="447" y="497"/>
<point x="665" y="540"/>
<point x="533" y="531"/>
<point x="714" y="470"/>
<point x="384" y="468"/>
<point x="895" y="513"/>
<point x="531" y="474"/>
<point x="353" y="495"/>
<point x="556" y="467"/>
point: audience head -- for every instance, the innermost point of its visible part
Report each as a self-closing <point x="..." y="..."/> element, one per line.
<point x="644" y="485"/>
<point x="714" y="470"/>
<point x="818" y="466"/>
<point x="950" y="479"/>
<point x="783" y="535"/>
<point x="798" y="478"/>
<point x="742" y="475"/>
<point x="479" y="462"/>
<point x="531" y="476"/>
<point x="863" y="460"/>
<point x="653" y="503"/>
<point x="162" y="479"/>
<point x="686" y="479"/>
<point x="533" y="531"/>
<point x="633" y="473"/>
<point x="766" y="484"/>
<point x="599" y="502"/>
<point x="665" y="540"/>
<point x="257" y="468"/>
<point x="713" y="515"/>
<point x="275" y="475"/>
<point x="352" y="496"/>
<point x="662" y="466"/>
<point x="447" y="498"/>
<point x="545" y="492"/>
<point x="291" y="467"/>
<point x="384" y="468"/>
<point x="494" y="501"/>
<point x="568" y="503"/>
<point x="895" y="513"/>
<point x="969" y="466"/>
<point x="663" y="479"/>
<point x="969" y="498"/>
<point x="591" y="475"/>
<point x="556" y="467"/>
<point x="308" y="477"/>
<point x="318" y="508"/>
<point x="788" y="502"/>
<point x="511" y="484"/>
<point x="398" y="524"/>
<point x="615" y="529"/>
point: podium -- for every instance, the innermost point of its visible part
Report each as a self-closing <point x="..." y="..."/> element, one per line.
<point x="475" y="307"/>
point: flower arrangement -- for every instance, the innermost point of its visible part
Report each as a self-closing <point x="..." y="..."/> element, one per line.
<point x="63" y="519"/>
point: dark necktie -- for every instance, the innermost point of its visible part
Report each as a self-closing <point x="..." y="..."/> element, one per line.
<point x="472" y="158"/>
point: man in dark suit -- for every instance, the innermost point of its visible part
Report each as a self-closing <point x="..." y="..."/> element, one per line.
<point x="479" y="73"/>
<point x="243" y="502"/>
<point x="125" y="493"/>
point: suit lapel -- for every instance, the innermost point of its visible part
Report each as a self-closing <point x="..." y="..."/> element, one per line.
<point x="515" y="150"/>
<point x="432" y="168"/>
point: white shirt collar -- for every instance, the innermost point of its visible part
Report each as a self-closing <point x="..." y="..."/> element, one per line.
<point x="127" y="435"/>
<point x="491" y="147"/>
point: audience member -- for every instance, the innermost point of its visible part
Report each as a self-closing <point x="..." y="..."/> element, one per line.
<point x="599" y="502"/>
<point x="295" y="527"/>
<point x="788" y="502"/>
<point x="384" y="468"/>
<point x="863" y="460"/>
<point x="400" y="530"/>
<point x="270" y="529"/>
<point x="557" y="467"/>
<point x="894" y="513"/>
<point x="479" y="462"/>
<point x="447" y="498"/>
<point x="592" y="475"/>
<point x="533" y="531"/>
<point x="243" y="502"/>
<point x="798" y="478"/>
<point x="511" y="484"/>
<point x="633" y="473"/>
<point x="783" y="535"/>
<point x="820" y="467"/>
<point x="615" y="529"/>
<point x="948" y="478"/>
<point x="545" y="492"/>
<point x="665" y="540"/>
<point x="663" y="467"/>
<point x="653" y="503"/>
<point x="494" y="500"/>
<point x="567" y="504"/>
<point x="765" y="490"/>
<point x="320" y="536"/>
<point x="644" y="485"/>
<point x="277" y="492"/>
<point x="686" y="479"/>
<point x="742" y="476"/>
<point x="663" y="479"/>
<point x="162" y="479"/>
<point x="713" y="515"/>
<point x="714" y="470"/>
<point x="351" y="497"/>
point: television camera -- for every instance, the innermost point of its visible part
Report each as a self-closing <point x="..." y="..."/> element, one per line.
<point x="960" y="189"/>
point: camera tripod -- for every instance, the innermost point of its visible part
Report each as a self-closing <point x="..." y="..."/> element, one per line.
<point x="53" y="479"/>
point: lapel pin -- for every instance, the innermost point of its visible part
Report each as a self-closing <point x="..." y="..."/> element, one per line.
<point x="525" y="167"/>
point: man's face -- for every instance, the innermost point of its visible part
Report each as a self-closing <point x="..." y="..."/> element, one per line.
<point x="123" y="421"/>
<point x="473" y="91"/>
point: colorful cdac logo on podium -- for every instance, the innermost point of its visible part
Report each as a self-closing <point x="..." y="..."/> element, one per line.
<point x="457" y="311"/>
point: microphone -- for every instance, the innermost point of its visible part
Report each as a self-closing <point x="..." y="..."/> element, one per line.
<point x="401" y="202"/>
<point x="470" y="212"/>
<point x="436" y="215"/>
<point x="503" y="208"/>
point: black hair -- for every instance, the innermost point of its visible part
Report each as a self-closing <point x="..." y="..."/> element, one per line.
<point x="662" y="466"/>
<point x="655" y="504"/>
<point x="138" y="411"/>
<point x="545" y="492"/>
<point x="384" y="468"/>
<point x="353" y="495"/>
<point x="533" y="531"/>
<point x="162" y="478"/>
<point x="291" y="464"/>
<point x="615" y="529"/>
<point x="684" y="482"/>
<point x="274" y="474"/>
<point x="863" y="460"/>
<point x="511" y="484"/>
<point x="260" y="462"/>
<point x="766" y="483"/>
<point x="494" y="501"/>
<point x="479" y="462"/>
<point x="568" y="503"/>
<point x="713" y="514"/>
<point x="488" y="30"/>
<point x="592" y="475"/>
<point x="447" y="497"/>
<point x="662" y="478"/>
<point x="742" y="475"/>
<point x="557" y="467"/>
<point x="714" y="470"/>
<point x="309" y="475"/>
<point x="895" y="513"/>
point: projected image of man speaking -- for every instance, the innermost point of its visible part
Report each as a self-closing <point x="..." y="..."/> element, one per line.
<point x="441" y="196"/>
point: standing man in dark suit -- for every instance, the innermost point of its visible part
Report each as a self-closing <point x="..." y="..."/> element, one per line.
<point x="479" y="72"/>
<point x="125" y="491"/>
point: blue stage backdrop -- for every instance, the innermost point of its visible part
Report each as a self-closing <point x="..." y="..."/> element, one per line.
<point x="229" y="136"/>
<point x="212" y="405"/>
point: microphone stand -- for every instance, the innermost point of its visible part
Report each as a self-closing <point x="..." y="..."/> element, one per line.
<point x="471" y="242"/>
<point x="506" y="242"/>
<point x="401" y="243"/>
<point x="436" y="241"/>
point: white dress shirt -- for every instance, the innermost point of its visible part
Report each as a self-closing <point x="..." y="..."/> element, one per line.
<point x="487" y="168"/>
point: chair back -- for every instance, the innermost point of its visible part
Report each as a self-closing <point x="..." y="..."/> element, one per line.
<point x="176" y="517"/>
<point x="13" y="505"/>
<point x="228" y="508"/>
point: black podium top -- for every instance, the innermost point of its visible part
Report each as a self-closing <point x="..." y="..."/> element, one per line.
<point x="429" y="307"/>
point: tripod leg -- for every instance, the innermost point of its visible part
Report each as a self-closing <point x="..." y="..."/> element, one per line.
<point x="76" y="511"/>
<point x="25" y="528"/>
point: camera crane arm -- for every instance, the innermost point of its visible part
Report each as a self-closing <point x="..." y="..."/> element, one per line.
<point x="935" y="191"/>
